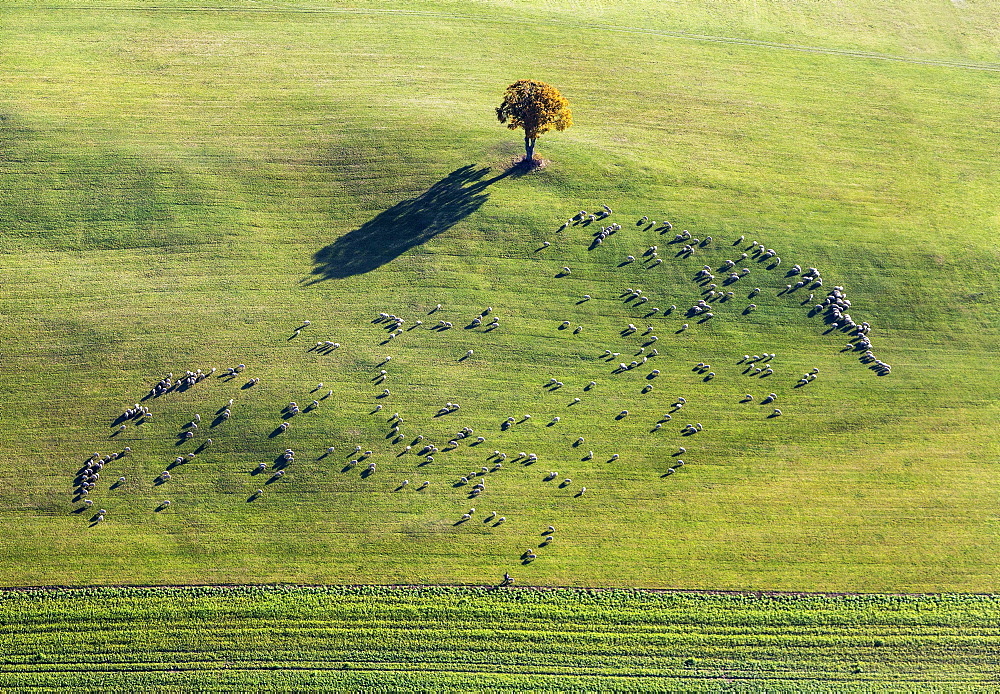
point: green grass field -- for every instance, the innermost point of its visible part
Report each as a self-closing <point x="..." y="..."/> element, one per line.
<point x="475" y="639"/>
<point x="182" y="186"/>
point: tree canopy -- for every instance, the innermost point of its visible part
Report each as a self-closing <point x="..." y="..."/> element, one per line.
<point x="535" y="107"/>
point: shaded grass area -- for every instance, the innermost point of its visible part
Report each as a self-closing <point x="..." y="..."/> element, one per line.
<point x="457" y="639"/>
<point x="406" y="224"/>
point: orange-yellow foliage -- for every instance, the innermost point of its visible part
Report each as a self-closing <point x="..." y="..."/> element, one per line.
<point x="536" y="107"/>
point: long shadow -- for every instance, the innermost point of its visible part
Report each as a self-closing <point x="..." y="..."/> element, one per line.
<point x="406" y="224"/>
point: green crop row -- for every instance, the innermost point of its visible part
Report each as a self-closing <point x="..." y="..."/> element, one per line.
<point x="465" y="637"/>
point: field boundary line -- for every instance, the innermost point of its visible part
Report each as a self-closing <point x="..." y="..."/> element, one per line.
<point x="483" y="586"/>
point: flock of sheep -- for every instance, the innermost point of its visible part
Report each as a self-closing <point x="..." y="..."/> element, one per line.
<point x="719" y="287"/>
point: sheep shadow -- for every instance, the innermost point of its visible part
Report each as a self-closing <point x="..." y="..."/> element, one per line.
<point x="406" y="224"/>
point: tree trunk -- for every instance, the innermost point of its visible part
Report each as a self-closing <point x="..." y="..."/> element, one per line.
<point x="529" y="148"/>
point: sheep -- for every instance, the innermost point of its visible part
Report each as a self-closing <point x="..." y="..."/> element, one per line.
<point x="776" y="413"/>
<point x="567" y="271"/>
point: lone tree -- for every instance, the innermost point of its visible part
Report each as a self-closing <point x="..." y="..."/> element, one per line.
<point x="537" y="108"/>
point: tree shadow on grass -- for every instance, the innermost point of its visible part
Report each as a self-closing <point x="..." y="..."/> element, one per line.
<point x="406" y="224"/>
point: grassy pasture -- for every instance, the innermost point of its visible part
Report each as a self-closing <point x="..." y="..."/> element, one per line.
<point x="475" y="639"/>
<point x="175" y="184"/>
